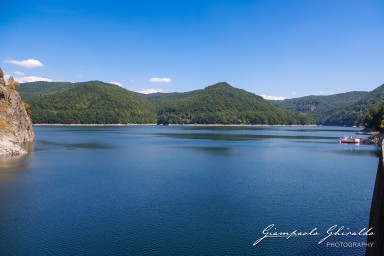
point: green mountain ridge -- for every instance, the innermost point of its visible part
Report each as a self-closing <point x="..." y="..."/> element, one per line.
<point x="345" y="109"/>
<point x="321" y="107"/>
<point x="96" y="102"/>
<point x="92" y="102"/>
<point x="355" y="113"/>
<point x="222" y="104"/>
<point x="35" y="89"/>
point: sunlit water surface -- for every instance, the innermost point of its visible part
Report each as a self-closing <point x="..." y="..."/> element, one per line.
<point x="184" y="191"/>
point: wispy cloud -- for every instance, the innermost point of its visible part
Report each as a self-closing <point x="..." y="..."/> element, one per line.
<point x="273" y="97"/>
<point x="150" y="90"/>
<point x="19" y="73"/>
<point x="29" y="63"/>
<point x="29" y="79"/>
<point x="160" y="80"/>
<point x="117" y="83"/>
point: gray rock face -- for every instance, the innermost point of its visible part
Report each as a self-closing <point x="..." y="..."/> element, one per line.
<point x="15" y="124"/>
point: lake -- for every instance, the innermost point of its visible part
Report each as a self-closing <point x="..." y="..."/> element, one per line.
<point x="185" y="190"/>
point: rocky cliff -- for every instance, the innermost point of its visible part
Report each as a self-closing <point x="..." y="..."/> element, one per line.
<point x="15" y="124"/>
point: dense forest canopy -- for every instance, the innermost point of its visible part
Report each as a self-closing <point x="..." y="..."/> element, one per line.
<point x="222" y="104"/>
<point x="375" y="118"/>
<point x="354" y="114"/>
<point x="91" y="102"/>
<point x="320" y="107"/>
<point x="36" y="89"/>
<point x="101" y="103"/>
<point x="346" y="109"/>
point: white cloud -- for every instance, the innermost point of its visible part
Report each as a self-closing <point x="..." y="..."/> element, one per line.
<point x="19" y="73"/>
<point x="150" y="90"/>
<point x="160" y="80"/>
<point x="117" y="83"/>
<point x="273" y="97"/>
<point x="29" y="63"/>
<point x="28" y="79"/>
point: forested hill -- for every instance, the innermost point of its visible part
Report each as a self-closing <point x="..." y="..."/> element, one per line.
<point x="221" y="104"/>
<point x="320" y="108"/>
<point x="91" y="102"/>
<point x="355" y="113"/>
<point x="36" y="89"/>
<point x="96" y="102"/>
<point x="374" y="120"/>
<point x="346" y="109"/>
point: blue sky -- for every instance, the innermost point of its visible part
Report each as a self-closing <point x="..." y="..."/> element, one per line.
<point x="269" y="47"/>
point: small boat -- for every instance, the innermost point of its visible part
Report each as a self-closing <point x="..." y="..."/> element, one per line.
<point x="350" y="140"/>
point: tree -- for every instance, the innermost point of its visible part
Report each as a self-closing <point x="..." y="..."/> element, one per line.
<point x="2" y="81"/>
<point x="27" y="108"/>
<point x="12" y="83"/>
<point x="375" y="118"/>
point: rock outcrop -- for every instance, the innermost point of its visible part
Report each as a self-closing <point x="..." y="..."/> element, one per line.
<point x="15" y="124"/>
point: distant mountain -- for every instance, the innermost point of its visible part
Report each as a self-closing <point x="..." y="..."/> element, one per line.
<point x="91" y="102"/>
<point x="30" y="90"/>
<point x="346" y="109"/>
<point x="96" y="102"/>
<point x="320" y="108"/>
<point x="221" y="104"/>
<point x="161" y="97"/>
<point x="355" y="113"/>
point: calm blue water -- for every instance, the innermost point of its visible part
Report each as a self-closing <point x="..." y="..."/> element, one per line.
<point x="184" y="191"/>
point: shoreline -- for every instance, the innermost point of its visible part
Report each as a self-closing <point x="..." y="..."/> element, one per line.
<point x="213" y="125"/>
<point x="94" y="124"/>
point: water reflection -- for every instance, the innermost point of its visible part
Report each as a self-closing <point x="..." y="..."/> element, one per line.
<point x="10" y="164"/>
<point x="176" y="187"/>
<point x="13" y="162"/>
<point x="211" y="150"/>
<point x="238" y="137"/>
<point x="360" y="151"/>
<point x="269" y="128"/>
<point x="46" y="145"/>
